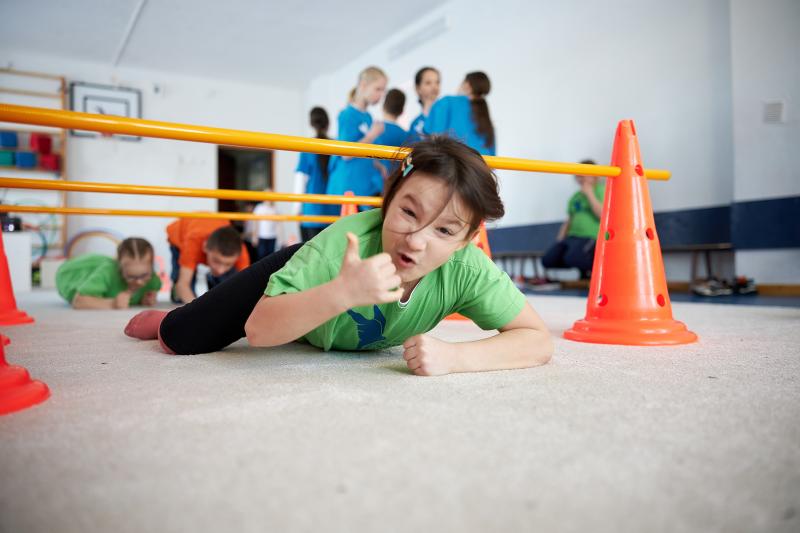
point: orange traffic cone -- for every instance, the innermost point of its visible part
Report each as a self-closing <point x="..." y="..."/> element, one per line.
<point x="481" y="240"/>
<point x="9" y="314"/>
<point x="628" y="299"/>
<point x="17" y="391"/>
<point x="349" y="209"/>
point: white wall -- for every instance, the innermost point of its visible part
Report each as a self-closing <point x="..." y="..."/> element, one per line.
<point x="165" y="162"/>
<point x="765" y="41"/>
<point x="564" y="73"/>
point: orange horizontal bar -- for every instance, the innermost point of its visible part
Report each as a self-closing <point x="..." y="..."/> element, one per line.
<point x="223" y="194"/>
<point x="272" y="141"/>
<point x="5" y="208"/>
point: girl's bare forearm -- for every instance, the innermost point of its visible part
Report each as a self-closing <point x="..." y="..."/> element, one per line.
<point x="516" y="348"/>
<point x="282" y="319"/>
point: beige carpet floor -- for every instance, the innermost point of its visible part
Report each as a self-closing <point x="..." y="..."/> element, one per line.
<point x="703" y="437"/>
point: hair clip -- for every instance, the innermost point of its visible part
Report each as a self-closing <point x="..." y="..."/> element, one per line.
<point x="407" y="166"/>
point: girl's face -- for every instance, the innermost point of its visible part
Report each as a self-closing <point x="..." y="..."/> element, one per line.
<point x="136" y="271"/>
<point x="428" y="89"/>
<point x="373" y="91"/>
<point x="465" y="89"/>
<point x="418" y="233"/>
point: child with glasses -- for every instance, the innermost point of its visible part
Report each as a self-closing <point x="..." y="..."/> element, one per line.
<point x="94" y="281"/>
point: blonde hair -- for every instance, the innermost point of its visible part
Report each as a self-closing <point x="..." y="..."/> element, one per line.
<point x="371" y="74"/>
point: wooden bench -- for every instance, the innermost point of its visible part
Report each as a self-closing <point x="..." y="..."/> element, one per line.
<point x="516" y="260"/>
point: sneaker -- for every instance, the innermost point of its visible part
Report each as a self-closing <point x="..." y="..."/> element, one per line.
<point x="744" y="285"/>
<point x="712" y="287"/>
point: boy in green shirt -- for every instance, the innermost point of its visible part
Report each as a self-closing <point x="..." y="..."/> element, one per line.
<point x="380" y="278"/>
<point x="95" y="281"/>
<point x="574" y="247"/>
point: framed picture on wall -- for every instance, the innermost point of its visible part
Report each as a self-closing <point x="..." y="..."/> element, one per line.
<point x="104" y="100"/>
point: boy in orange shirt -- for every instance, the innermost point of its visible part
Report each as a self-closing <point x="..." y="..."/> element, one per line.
<point x="212" y="242"/>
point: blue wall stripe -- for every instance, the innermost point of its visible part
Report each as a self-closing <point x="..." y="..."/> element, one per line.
<point x="760" y="224"/>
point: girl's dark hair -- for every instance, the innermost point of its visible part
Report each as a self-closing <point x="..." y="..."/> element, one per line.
<point x="480" y="85"/>
<point x="418" y="78"/>
<point x="135" y="247"/>
<point x="461" y="168"/>
<point x="394" y="102"/>
<point x="319" y="120"/>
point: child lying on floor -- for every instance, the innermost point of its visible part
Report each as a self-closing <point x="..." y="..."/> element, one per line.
<point x="381" y="278"/>
<point x="94" y="281"/>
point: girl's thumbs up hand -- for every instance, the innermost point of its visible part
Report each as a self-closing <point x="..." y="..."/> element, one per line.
<point x="368" y="281"/>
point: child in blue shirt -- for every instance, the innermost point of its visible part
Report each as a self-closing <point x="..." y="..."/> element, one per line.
<point x="355" y="125"/>
<point x="466" y="116"/>
<point x="311" y="175"/>
<point x="426" y="82"/>
<point x="393" y="135"/>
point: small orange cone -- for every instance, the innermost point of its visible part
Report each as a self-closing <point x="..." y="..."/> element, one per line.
<point x="17" y="391"/>
<point x="349" y="209"/>
<point x="628" y="299"/>
<point x="481" y="240"/>
<point x="9" y="314"/>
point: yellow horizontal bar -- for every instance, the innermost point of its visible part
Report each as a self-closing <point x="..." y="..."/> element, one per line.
<point x="223" y="194"/>
<point x="271" y="141"/>
<point x="4" y="208"/>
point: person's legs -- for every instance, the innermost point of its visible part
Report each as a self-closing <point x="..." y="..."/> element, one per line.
<point x="265" y="247"/>
<point x="175" y="253"/>
<point x="176" y="269"/>
<point x="216" y="319"/>
<point x="554" y="256"/>
<point x="309" y="232"/>
<point x="580" y="255"/>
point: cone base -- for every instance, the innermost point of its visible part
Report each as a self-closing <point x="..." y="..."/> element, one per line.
<point x="637" y="332"/>
<point x="18" y="391"/>
<point x="456" y="316"/>
<point x="14" y="317"/>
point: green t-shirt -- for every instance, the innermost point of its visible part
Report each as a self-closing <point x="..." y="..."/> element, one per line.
<point x="98" y="276"/>
<point x="582" y="220"/>
<point x="468" y="283"/>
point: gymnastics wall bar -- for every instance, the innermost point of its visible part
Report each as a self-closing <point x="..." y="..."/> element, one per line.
<point x="271" y="141"/>
<point x="60" y="95"/>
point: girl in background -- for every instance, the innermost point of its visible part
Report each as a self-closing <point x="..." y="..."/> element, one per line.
<point x="466" y="116"/>
<point x="311" y="175"/>
<point x="426" y="82"/>
<point x="355" y="124"/>
<point x="95" y="281"/>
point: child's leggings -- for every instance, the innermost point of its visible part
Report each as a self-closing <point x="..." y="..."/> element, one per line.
<point x="217" y="318"/>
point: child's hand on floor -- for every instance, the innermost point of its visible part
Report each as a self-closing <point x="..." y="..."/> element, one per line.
<point x="429" y="356"/>
<point x="122" y="300"/>
<point x="368" y="281"/>
<point x="149" y="299"/>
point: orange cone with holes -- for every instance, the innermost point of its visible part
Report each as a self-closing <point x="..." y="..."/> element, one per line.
<point x="349" y="209"/>
<point x="17" y="390"/>
<point x="628" y="299"/>
<point x="9" y="314"/>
